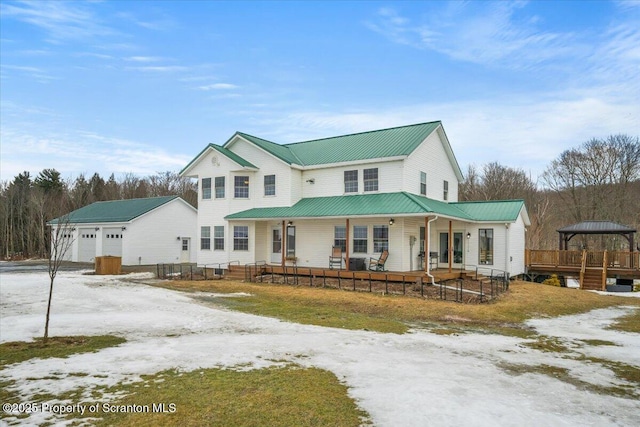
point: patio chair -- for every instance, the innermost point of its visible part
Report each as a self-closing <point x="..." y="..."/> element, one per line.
<point x="335" y="259"/>
<point x="378" y="264"/>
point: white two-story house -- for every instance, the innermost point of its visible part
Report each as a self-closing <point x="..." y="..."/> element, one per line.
<point x="394" y="189"/>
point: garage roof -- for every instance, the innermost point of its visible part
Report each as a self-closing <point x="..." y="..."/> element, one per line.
<point x="113" y="211"/>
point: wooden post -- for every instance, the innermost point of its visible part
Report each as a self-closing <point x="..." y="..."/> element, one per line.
<point x="450" y="246"/>
<point x="346" y="259"/>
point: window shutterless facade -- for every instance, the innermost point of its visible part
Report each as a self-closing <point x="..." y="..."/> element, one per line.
<point x="205" y="238"/>
<point x="360" y="242"/>
<point x="370" y="179"/>
<point x="219" y="187"/>
<point x="269" y="185"/>
<point x="218" y="238"/>
<point x="241" y="238"/>
<point x="485" y="242"/>
<point x="445" y="191"/>
<point x="380" y="238"/>
<point x="340" y="237"/>
<point x="423" y="183"/>
<point x="241" y="187"/>
<point x="351" y="181"/>
<point x="206" y="188"/>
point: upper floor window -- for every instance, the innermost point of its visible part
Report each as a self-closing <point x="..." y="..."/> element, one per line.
<point x="269" y="185"/>
<point x="241" y="188"/>
<point x="219" y="184"/>
<point x="370" y="179"/>
<point x="218" y="238"/>
<point x="351" y="181"/>
<point x="206" y="188"/>
<point x="205" y="237"/>
<point x="445" y="191"/>
<point x="423" y="183"/>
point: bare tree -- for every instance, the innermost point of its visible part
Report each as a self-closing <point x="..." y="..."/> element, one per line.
<point x="62" y="232"/>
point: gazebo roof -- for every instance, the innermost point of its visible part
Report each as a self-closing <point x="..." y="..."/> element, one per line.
<point x="596" y="227"/>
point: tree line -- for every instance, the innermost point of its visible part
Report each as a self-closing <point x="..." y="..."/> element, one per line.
<point x="599" y="180"/>
<point x="27" y="204"/>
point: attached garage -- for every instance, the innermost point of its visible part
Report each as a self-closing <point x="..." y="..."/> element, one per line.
<point x="140" y="231"/>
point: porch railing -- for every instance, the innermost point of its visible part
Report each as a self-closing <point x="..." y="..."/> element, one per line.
<point x="557" y="258"/>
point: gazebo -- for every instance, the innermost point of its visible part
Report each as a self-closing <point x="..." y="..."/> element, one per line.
<point x="594" y="227"/>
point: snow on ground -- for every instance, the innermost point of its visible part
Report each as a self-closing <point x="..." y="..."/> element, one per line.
<point x="414" y="379"/>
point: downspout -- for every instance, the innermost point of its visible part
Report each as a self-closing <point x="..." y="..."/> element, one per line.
<point x="426" y="250"/>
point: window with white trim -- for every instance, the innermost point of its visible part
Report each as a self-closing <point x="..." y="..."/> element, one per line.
<point x="340" y="237"/>
<point x="445" y="191"/>
<point x="360" y="242"/>
<point x="205" y="237"/>
<point x="485" y="243"/>
<point x="269" y="185"/>
<point x="423" y="183"/>
<point x="241" y="187"/>
<point x="206" y="188"/>
<point x="370" y="179"/>
<point x="240" y="237"/>
<point x="218" y="238"/>
<point x="351" y="181"/>
<point x="380" y="238"/>
<point x="219" y="187"/>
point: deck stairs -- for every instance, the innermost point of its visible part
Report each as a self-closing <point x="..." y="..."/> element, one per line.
<point x="592" y="279"/>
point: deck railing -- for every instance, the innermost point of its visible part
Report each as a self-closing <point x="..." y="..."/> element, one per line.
<point x="612" y="259"/>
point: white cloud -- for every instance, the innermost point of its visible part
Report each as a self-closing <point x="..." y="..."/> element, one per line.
<point x="144" y="58"/>
<point x="218" y="86"/>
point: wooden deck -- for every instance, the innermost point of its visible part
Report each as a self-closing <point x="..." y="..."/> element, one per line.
<point x="592" y="268"/>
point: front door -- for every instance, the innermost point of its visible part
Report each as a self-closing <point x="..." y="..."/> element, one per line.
<point x="457" y="249"/>
<point x="185" y="253"/>
<point x="276" y="245"/>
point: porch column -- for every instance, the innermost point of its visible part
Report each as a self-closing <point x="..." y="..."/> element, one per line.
<point x="450" y="246"/>
<point x="426" y="244"/>
<point x="346" y="259"/>
<point x="282" y="243"/>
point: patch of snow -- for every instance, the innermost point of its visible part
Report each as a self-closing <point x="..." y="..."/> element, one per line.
<point x="414" y="379"/>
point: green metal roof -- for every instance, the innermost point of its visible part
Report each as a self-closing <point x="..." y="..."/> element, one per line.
<point x="492" y="210"/>
<point x="228" y="153"/>
<point x="392" y="142"/>
<point x="398" y="204"/>
<point x="113" y="211"/>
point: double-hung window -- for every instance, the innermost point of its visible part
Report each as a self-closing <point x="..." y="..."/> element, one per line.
<point x="370" y="179"/>
<point x="445" y="191"/>
<point x="351" y="181"/>
<point x="219" y="187"/>
<point x="205" y="238"/>
<point x="486" y="246"/>
<point x="423" y="183"/>
<point x="206" y="188"/>
<point x="241" y="238"/>
<point x="241" y="187"/>
<point x="380" y="238"/>
<point x="218" y="238"/>
<point x="340" y="237"/>
<point x="269" y="185"/>
<point x="360" y="239"/>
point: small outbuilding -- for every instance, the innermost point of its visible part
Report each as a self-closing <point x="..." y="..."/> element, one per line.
<point x="140" y="231"/>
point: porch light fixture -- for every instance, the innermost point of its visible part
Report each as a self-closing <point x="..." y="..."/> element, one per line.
<point x="311" y="181"/>
<point x="124" y="228"/>
<point x="468" y="235"/>
<point x="178" y="238"/>
<point x="97" y="228"/>
<point x="392" y="221"/>
<point x="289" y="224"/>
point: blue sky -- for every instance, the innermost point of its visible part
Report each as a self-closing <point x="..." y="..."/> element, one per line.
<point x="143" y="86"/>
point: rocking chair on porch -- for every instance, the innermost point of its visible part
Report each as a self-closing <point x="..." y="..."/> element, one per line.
<point x="335" y="259"/>
<point x="378" y="264"/>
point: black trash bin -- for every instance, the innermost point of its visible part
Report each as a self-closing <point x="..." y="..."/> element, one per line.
<point x="356" y="264"/>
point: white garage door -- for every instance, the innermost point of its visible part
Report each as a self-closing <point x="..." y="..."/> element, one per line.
<point x="87" y="245"/>
<point x="112" y="241"/>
